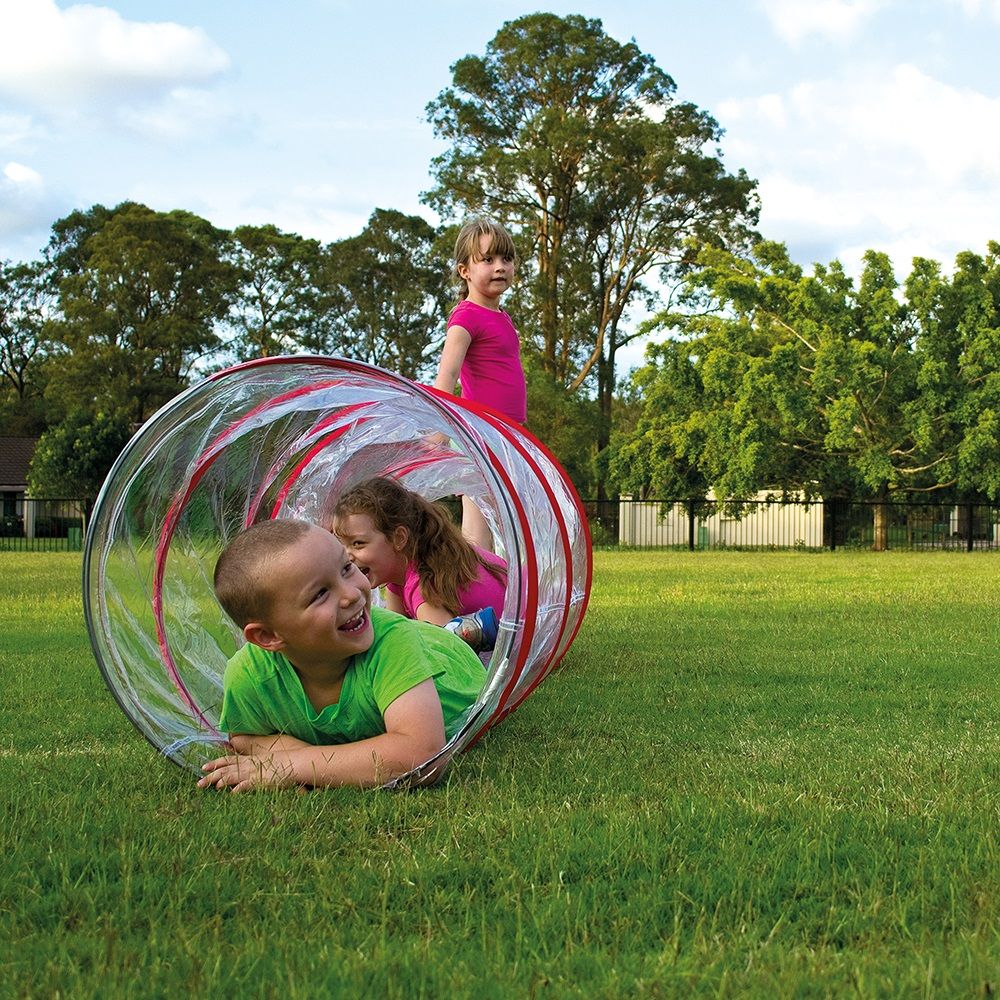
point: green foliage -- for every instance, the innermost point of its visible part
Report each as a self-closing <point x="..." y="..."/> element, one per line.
<point x="565" y="423"/>
<point x="73" y="457"/>
<point x="67" y="251"/>
<point x="21" y="417"/>
<point x="138" y="311"/>
<point x="26" y="348"/>
<point x="277" y="299"/>
<point x="753" y="792"/>
<point x="385" y="295"/>
<point x="626" y="412"/>
<point x="804" y="382"/>
<point x="659" y="455"/>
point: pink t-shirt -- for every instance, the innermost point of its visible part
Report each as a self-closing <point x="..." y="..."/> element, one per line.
<point x="492" y="372"/>
<point x="486" y="591"/>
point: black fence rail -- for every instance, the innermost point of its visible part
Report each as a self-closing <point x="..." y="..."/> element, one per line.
<point x="42" y="525"/>
<point x="796" y="524"/>
<point x="60" y="525"/>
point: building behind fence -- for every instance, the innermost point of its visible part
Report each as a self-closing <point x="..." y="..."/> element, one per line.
<point x="46" y="525"/>
<point x="764" y="523"/>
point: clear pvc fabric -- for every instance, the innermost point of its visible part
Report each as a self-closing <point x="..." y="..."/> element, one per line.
<point x="284" y="437"/>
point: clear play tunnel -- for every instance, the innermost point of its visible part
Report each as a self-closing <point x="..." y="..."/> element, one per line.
<point x="283" y="437"/>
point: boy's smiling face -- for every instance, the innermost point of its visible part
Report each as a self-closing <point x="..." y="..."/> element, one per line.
<point x="320" y="613"/>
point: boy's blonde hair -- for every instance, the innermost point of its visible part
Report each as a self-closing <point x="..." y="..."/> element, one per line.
<point x="467" y="246"/>
<point x="241" y="572"/>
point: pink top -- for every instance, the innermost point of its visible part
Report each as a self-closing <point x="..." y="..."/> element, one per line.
<point x="486" y="591"/>
<point x="492" y="372"/>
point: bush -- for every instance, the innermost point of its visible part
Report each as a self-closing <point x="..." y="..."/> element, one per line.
<point x="11" y="526"/>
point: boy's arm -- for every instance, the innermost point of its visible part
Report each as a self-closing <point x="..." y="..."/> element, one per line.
<point x="246" y="744"/>
<point x="414" y="734"/>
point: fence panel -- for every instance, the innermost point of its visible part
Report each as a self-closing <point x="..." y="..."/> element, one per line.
<point x="793" y="524"/>
<point x="43" y="525"/>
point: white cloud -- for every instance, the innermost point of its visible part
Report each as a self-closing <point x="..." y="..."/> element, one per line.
<point x="26" y="207"/>
<point x="317" y="211"/>
<point x="903" y="120"/>
<point x="943" y="228"/>
<point x="791" y="202"/>
<point x="793" y="20"/>
<point x="17" y="131"/>
<point x="894" y="160"/>
<point x="65" y="58"/>
<point x="821" y="221"/>
<point x="180" y="113"/>
<point x="771" y="109"/>
<point x="972" y="8"/>
<point x="18" y="173"/>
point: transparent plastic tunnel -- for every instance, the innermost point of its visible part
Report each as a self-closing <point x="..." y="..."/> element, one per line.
<point x="284" y="437"/>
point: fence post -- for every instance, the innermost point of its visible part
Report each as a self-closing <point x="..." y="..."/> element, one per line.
<point x="690" y="506"/>
<point x="968" y="534"/>
<point x="833" y="524"/>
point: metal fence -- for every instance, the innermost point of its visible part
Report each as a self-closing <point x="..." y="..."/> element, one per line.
<point x="42" y="525"/>
<point x="797" y="524"/>
<point x="60" y="525"/>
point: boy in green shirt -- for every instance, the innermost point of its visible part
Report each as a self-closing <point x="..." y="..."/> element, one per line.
<point x="328" y="691"/>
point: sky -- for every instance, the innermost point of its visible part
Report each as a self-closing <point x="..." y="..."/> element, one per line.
<point x="868" y="124"/>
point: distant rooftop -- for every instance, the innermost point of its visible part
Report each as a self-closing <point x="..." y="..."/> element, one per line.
<point x="15" y="455"/>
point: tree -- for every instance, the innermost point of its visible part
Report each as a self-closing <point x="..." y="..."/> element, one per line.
<point x="576" y="140"/>
<point x="663" y="454"/>
<point x="25" y="310"/>
<point x="67" y="252"/>
<point x="806" y="382"/>
<point x="566" y="423"/>
<point x="72" y="459"/>
<point x="384" y="295"/>
<point x="139" y="311"/>
<point x="277" y="299"/>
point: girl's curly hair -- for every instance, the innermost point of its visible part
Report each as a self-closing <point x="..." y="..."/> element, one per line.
<point x="445" y="561"/>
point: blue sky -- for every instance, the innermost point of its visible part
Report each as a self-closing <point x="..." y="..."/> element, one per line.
<point x="867" y="123"/>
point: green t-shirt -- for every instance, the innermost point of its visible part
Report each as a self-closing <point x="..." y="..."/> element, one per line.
<point x="262" y="693"/>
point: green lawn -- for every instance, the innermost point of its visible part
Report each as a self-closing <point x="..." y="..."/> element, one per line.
<point x="756" y="774"/>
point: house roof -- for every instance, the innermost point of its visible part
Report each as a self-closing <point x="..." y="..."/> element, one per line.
<point x="15" y="454"/>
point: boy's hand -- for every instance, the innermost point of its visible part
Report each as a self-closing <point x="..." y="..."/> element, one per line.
<point x="414" y="733"/>
<point x="243" y="773"/>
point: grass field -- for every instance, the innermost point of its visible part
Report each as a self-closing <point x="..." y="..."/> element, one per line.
<point x="767" y="775"/>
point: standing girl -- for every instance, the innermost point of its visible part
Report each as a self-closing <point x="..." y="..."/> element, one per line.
<point x="430" y="572"/>
<point x="482" y="350"/>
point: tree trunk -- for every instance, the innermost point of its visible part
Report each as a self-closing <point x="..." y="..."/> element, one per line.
<point x="880" y="541"/>
<point x="605" y="401"/>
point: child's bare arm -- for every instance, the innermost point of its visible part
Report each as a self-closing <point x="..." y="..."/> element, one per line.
<point x="414" y="734"/>
<point x="246" y="744"/>
<point x="433" y="613"/>
<point x="456" y="344"/>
